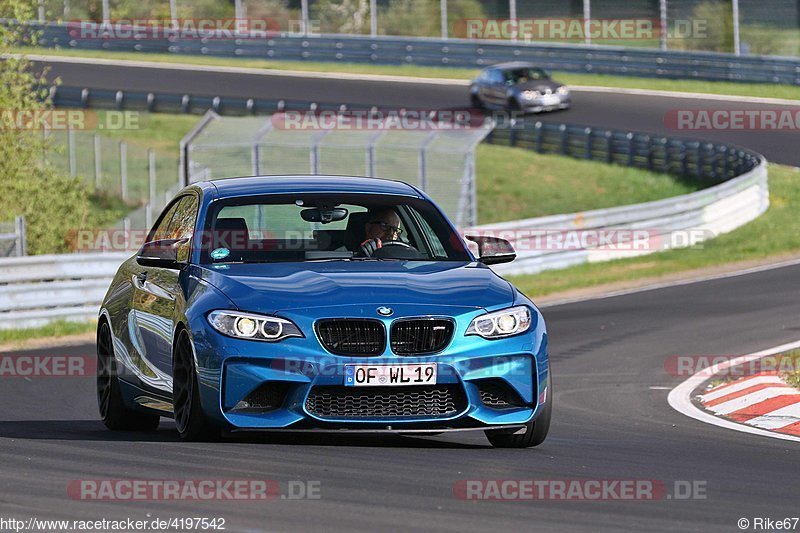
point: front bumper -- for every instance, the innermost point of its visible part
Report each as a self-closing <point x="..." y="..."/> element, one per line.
<point x="545" y="103"/>
<point x="297" y="369"/>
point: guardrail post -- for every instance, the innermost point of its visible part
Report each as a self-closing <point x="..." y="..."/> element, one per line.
<point x="564" y="139"/>
<point x="588" y="153"/>
<point x="539" y="133"/>
<point x="630" y="137"/>
<point x="21" y="244"/>
<point x="650" y="153"/>
<point x="123" y="169"/>
<point x="609" y="147"/>
<point x="700" y="161"/>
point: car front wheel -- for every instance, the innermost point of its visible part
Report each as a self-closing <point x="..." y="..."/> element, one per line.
<point x="190" y="420"/>
<point x="535" y="430"/>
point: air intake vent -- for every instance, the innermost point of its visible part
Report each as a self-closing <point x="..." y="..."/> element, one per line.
<point x="360" y="337"/>
<point x="498" y="395"/>
<point x="267" y="397"/>
<point x="421" y="336"/>
<point x="425" y="401"/>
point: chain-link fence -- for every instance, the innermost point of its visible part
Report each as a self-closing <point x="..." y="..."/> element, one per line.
<point x="740" y="26"/>
<point x="143" y="178"/>
<point x="438" y="160"/>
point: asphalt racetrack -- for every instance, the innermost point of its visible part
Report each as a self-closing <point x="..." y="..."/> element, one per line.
<point x="609" y="423"/>
<point x="611" y="419"/>
<point x="642" y="113"/>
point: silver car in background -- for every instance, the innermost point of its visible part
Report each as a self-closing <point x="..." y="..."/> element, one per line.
<point x="518" y="86"/>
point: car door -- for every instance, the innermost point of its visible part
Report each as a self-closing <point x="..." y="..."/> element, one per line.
<point x="155" y="291"/>
<point x="497" y="87"/>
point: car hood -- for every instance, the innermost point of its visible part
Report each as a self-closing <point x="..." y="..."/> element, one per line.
<point x="538" y="85"/>
<point x="271" y="287"/>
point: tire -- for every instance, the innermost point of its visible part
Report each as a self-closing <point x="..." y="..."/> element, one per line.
<point x="113" y="411"/>
<point x="476" y="101"/>
<point x="535" y="430"/>
<point x="190" y="420"/>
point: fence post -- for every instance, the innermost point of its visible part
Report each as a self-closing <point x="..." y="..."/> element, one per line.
<point x="443" y="9"/>
<point x="662" y="8"/>
<point x="737" y="45"/>
<point x="304" y="16"/>
<point x="512" y="15"/>
<point x="98" y="169"/>
<point x="151" y="171"/>
<point x="587" y="23"/>
<point x="123" y="169"/>
<point x="373" y="18"/>
<point x="21" y="245"/>
<point x="71" y="142"/>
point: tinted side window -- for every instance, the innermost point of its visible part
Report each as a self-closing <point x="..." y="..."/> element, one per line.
<point x="183" y="220"/>
<point x="160" y="230"/>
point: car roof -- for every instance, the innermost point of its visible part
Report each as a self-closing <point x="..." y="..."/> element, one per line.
<point x="512" y="65"/>
<point x="232" y="187"/>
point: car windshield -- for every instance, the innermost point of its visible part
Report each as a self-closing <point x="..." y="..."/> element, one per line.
<point x="524" y="75"/>
<point x="325" y="227"/>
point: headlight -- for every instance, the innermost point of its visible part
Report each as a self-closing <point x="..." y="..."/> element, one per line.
<point x="505" y="323"/>
<point x="531" y="95"/>
<point x="255" y="327"/>
<point x="562" y="90"/>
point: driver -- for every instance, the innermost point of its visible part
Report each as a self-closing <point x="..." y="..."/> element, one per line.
<point x="383" y="225"/>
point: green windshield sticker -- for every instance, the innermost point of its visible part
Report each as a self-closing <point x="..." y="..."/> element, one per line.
<point x="220" y="253"/>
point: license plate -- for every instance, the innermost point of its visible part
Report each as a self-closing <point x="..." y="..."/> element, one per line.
<point x="389" y="375"/>
<point x="550" y="99"/>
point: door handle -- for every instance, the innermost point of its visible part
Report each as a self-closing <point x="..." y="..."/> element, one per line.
<point x="142" y="276"/>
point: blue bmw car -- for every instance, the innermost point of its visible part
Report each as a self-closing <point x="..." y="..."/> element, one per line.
<point x="319" y="303"/>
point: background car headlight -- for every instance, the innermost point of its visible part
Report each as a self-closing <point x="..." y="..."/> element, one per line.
<point x="505" y="323"/>
<point x="251" y="326"/>
<point x="562" y="90"/>
<point x="530" y="95"/>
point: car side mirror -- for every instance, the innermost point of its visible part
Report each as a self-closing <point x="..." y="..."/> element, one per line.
<point x="493" y="250"/>
<point x="166" y="253"/>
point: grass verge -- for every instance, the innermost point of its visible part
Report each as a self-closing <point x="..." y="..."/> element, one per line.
<point x="570" y="78"/>
<point x="61" y="328"/>
<point x="772" y="234"/>
<point x="514" y="184"/>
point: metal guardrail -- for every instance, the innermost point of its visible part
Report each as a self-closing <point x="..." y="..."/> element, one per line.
<point x="639" y="62"/>
<point x="39" y="289"/>
<point x="693" y="218"/>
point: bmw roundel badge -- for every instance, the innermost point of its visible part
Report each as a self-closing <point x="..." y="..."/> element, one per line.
<point x="385" y="311"/>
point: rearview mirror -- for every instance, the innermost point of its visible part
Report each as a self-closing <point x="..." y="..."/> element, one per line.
<point x="493" y="250"/>
<point x="167" y="253"/>
<point x="325" y="216"/>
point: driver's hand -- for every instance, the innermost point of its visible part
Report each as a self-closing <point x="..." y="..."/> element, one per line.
<point x="369" y="246"/>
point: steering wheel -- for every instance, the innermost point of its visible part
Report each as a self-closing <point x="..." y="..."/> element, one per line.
<point x="397" y="243"/>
